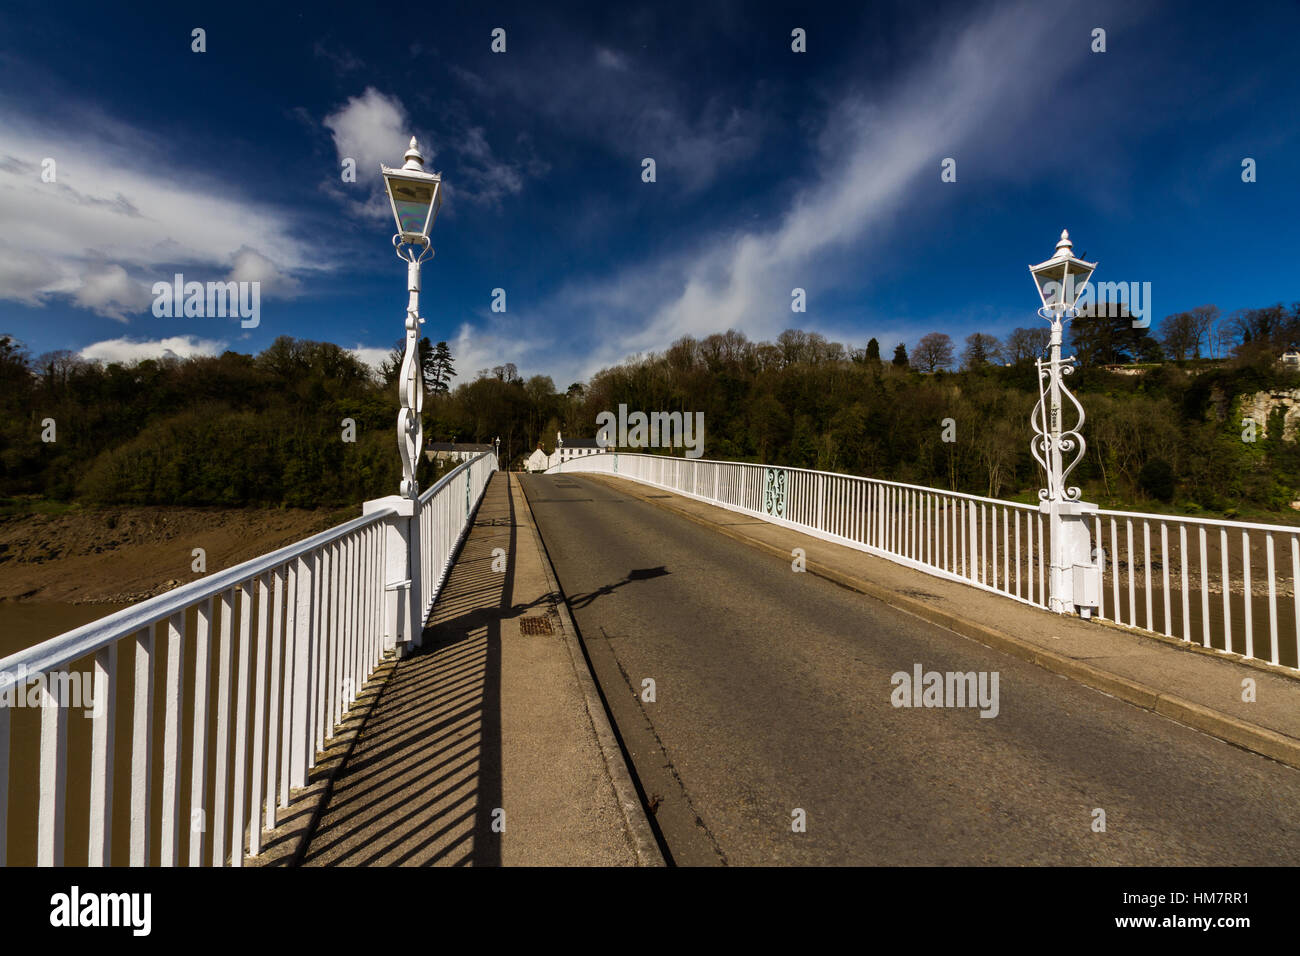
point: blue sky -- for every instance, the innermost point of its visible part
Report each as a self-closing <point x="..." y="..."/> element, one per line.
<point x="775" y="169"/>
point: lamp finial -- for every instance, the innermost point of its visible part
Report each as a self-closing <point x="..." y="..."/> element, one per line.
<point x="414" y="158"/>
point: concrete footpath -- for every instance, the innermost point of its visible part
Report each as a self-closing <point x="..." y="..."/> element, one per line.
<point x="489" y="745"/>
<point x="1200" y="689"/>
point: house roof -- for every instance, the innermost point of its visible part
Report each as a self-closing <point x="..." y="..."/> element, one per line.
<point x="456" y="446"/>
<point x="581" y="443"/>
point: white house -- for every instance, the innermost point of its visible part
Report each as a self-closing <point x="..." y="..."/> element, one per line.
<point x="448" y="451"/>
<point x="566" y="450"/>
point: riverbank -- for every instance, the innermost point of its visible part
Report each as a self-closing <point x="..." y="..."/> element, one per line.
<point x="121" y="555"/>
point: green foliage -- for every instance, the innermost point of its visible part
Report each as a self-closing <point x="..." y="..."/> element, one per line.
<point x="1106" y="336"/>
<point x="1167" y="435"/>
<point x="231" y="431"/>
<point x="1157" y="479"/>
<point x="241" y="429"/>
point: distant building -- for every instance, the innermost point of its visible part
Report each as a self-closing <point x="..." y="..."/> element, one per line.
<point x="537" y="461"/>
<point x="452" y="451"/>
<point x="566" y="450"/>
<point x="1290" y="360"/>
<point x="578" y="447"/>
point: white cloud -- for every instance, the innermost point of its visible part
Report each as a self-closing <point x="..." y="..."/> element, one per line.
<point x="371" y="356"/>
<point x="118" y="217"/>
<point x="371" y="129"/>
<point x="375" y="128"/>
<point x="126" y="350"/>
<point x="110" y="291"/>
<point x="251" y="266"/>
<point x="474" y="350"/>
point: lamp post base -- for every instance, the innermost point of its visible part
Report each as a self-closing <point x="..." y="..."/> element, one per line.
<point x="403" y="599"/>
<point x="1075" y="574"/>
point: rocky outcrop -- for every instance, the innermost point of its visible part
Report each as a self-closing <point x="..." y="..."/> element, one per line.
<point x="1260" y="406"/>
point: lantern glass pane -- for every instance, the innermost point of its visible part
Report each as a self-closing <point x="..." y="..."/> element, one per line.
<point x="1051" y="284"/>
<point x="1079" y="275"/>
<point x="411" y="202"/>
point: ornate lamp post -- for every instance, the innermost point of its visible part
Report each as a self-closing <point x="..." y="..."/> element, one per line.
<point x="415" y="197"/>
<point x="496" y="449"/>
<point x="1075" y="576"/>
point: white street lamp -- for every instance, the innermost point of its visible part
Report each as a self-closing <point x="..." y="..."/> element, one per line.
<point x="1075" y="574"/>
<point x="415" y="197"/>
<point x="1061" y="279"/>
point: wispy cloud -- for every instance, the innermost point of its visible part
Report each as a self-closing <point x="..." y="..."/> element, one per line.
<point x="112" y="218"/>
<point x="484" y="177"/>
<point x="341" y="59"/>
<point x="876" y="151"/>
<point x="609" y="98"/>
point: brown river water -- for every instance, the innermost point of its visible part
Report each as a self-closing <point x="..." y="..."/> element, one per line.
<point x="24" y="623"/>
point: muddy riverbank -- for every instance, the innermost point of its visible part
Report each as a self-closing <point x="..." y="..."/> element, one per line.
<point x="122" y="555"/>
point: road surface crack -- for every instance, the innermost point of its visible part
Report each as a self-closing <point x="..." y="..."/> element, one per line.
<point x="667" y="761"/>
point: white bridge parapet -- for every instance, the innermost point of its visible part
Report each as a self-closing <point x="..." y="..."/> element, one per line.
<point x="293" y="636"/>
<point x="1226" y="587"/>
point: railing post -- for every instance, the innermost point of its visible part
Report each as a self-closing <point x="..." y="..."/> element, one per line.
<point x="821" y="501"/>
<point x="300" y="734"/>
<point x="402" y="597"/>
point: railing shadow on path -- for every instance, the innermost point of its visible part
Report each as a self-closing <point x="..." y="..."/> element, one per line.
<point x="423" y="784"/>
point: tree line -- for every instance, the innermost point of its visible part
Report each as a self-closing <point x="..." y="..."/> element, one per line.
<point x="267" y="429"/>
<point x="230" y="430"/>
<point x="1108" y="336"/>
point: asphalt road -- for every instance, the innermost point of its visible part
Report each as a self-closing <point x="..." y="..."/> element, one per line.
<point x="772" y="694"/>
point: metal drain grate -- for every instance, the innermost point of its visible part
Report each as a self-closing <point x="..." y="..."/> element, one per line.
<point x="536" y="625"/>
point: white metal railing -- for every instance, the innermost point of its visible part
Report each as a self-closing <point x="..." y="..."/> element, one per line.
<point x="443" y="523"/>
<point x="1190" y="578"/>
<point x="1227" y="585"/>
<point x="998" y="546"/>
<point x="293" y="635"/>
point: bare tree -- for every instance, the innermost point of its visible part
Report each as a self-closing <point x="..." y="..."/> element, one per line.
<point x="1025" y="345"/>
<point x="1222" y="336"/>
<point x="793" y="344"/>
<point x="934" y="351"/>
<point x="981" y="349"/>
<point x="1202" y="320"/>
<point x="1177" y="335"/>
